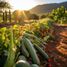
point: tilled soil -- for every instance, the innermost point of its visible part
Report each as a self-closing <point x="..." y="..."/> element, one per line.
<point x="58" y="59"/>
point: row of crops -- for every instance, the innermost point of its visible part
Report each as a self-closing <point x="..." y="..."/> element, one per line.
<point x="24" y="46"/>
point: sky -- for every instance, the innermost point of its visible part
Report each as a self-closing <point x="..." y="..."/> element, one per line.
<point x="50" y="1"/>
<point x="28" y="4"/>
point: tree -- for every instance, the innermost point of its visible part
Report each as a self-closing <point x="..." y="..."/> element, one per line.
<point x="43" y="16"/>
<point x="34" y="17"/>
<point x="4" y="5"/>
<point x="16" y="15"/>
<point x="58" y="14"/>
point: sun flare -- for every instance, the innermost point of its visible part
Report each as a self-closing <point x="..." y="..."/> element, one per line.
<point x="23" y="4"/>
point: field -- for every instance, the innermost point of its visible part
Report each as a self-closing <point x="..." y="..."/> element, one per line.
<point x="32" y="41"/>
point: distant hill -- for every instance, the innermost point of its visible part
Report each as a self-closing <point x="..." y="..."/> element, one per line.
<point x="45" y="8"/>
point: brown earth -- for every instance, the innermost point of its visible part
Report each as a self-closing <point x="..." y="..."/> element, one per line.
<point x="59" y="59"/>
<point x="57" y="50"/>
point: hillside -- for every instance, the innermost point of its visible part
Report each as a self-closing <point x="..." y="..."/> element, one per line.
<point x="45" y="8"/>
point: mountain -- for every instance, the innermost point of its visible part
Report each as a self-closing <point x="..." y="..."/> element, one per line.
<point x="46" y="8"/>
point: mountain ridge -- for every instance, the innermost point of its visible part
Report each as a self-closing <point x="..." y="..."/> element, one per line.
<point x="46" y="8"/>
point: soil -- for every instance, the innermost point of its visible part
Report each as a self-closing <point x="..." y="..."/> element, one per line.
<point x="58" y="59"/>
<point x="57" y="50"/>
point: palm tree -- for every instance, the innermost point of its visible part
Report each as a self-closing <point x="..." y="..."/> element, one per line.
<point x="4" y="5"/>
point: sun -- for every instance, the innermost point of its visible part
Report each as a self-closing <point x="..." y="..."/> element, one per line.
<point x="22" y="4"/>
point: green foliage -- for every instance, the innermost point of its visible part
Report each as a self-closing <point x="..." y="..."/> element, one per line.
<point x="20" y="16"/>
<point x="34" y="17"/>
<point x="10" y="38"/>
<point x="4" y="4"/>
<point x="59" y="15"/>
<point x="46" y="23"/>
<point x="43" y="16"/>
<point x="11" y="52"/>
